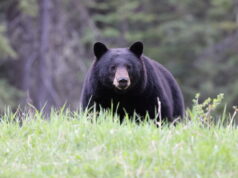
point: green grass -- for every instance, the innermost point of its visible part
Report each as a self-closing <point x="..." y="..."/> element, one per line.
<point x="72" y="145"/>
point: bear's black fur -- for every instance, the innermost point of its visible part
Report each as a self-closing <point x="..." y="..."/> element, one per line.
<point x="146" y="82"/>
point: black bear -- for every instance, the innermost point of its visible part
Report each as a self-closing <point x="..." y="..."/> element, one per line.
<point x="128" y="81"/>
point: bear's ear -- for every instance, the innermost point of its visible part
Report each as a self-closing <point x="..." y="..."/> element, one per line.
<point x="137" y="48"/>
<point x="99" y="49"/>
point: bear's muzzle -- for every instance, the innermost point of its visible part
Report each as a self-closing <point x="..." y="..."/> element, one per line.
<point x="121" y="80"/>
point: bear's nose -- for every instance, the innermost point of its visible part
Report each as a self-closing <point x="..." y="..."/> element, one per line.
<point x="123" y="82"/>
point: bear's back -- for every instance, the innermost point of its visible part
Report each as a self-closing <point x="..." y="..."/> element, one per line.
<point x="166" y="81"/>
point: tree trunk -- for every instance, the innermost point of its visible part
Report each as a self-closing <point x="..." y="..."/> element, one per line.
<point x="47" y="96"/>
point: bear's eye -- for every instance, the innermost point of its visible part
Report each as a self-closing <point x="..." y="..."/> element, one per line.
<point x="128" y="66"/>
<point x="112" y="68"/>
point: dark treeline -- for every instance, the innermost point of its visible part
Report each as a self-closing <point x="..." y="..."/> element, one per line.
<point x="46" y="45"/>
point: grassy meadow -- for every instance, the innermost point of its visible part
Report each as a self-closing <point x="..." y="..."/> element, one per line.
<point x="76" y="144"/>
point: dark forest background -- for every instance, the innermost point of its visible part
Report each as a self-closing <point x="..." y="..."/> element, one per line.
<point x="46" y="45"/>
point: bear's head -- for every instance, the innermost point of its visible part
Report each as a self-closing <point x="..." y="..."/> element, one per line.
<point x="119" y="68"/>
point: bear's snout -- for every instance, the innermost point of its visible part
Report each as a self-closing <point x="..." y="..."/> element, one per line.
<point x="121" y="79"/>
<point x="123" y="83"/>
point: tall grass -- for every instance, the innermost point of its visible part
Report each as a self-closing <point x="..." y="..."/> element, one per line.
<point x="80" y="144"/>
